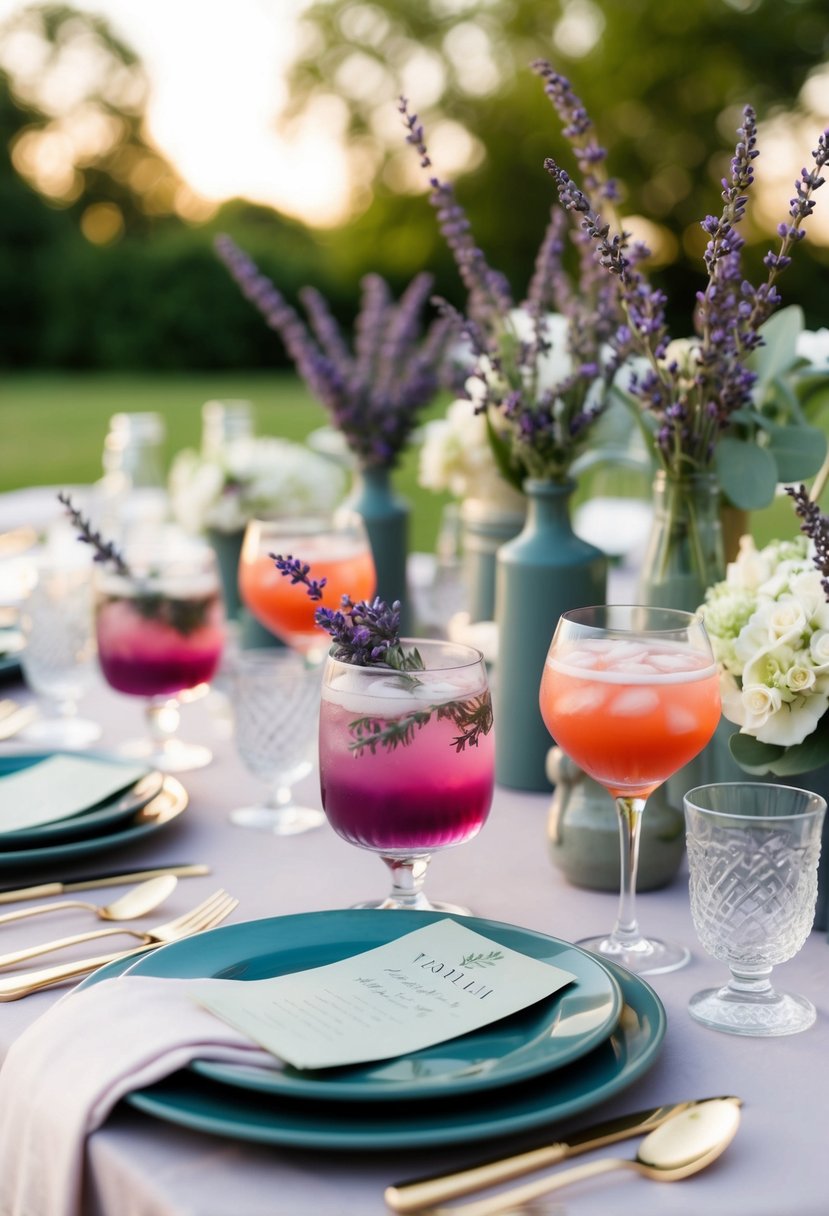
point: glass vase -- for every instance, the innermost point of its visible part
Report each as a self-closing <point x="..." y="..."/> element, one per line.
<point x="684" y="554"/>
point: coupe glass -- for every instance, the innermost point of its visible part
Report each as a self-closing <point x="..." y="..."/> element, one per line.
<point x="276" y="701"/>
<point x="631" y="694"/>
<point x="753" y="852"/>
<point x="335" y="547"/>
<point x="160" y="635"/>
<point x="407" y="761"/>
<point x="58" y="659"/>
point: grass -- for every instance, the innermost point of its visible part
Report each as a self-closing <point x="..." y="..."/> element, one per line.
<point x="54" y="427"/>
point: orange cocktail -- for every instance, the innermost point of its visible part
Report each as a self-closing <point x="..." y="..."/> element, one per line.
<point x="339" y="554"/>
<point x="630" y="713"/>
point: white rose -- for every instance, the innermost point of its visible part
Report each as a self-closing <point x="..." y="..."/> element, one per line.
<point x="799" y="678"/>
<point x="751" y="568"/>
<point x="759" y="703"/>
<point x="556" y="365"/>
<point x="795" y="721"/>
<point x="786" y="619"/>
<point x="819" y="648"/>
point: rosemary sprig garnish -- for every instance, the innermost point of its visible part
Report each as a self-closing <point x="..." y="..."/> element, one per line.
<point x="473" y="718"/>
<point x="105" y="550"/>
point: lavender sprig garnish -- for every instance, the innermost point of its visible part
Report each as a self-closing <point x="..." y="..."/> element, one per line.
<point x="537" y="428"/>
<point x="816" y="526"/>
<point x="105" y="550"/>
<point x="367" y="634"/>
<point x="690" y="404"/>
<point x="373" y="393"/>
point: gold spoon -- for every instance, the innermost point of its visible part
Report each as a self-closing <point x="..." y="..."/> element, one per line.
<point x="136" y="902"/>
<point x="681" y="1146"/>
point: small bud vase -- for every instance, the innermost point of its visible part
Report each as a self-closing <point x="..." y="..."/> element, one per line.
<point x="543" y="572"/>
<point x="227" y="546"/>
<point x="486" y="526"/>
<point x="684" y="555"/>
<point x="386" y="517"/>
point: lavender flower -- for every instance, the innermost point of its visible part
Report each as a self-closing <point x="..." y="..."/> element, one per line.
<point x="816" y="526"/>
<point x="541" y="380"/>
<point x="105" y="550"/>
<point x="690" y="401"/>
<point x="373" y="394"/>
<point x="299" y="572"/>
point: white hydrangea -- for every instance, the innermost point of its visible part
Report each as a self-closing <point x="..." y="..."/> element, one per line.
<point x="456" y="456"/>
<point x="769" y="626"/>
<point x="250" y="477"/>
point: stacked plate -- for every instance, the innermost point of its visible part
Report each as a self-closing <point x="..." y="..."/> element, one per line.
<point x="561" y="1056"/>
<point x="138" y="807"/>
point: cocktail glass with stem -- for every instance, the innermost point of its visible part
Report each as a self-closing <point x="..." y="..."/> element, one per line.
<point x="58" y="659"/>
<point x="753" y="851"/>
<point x="161" y="632"/>
<point x="631" y="694"/>
<point x="337" y="549"/>
<point x="407" y="760"/>
<point x="276" y="700"/>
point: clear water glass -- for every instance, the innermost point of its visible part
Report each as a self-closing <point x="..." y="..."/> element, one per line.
<point x="58" y="658"/>
<point x="753" y="852"/>
<point x="276" y="698"/>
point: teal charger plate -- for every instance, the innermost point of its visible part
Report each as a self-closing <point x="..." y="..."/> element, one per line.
<point x="201" y="1103"/>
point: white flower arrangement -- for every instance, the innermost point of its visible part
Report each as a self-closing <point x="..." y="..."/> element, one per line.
<point x="769" y="626"/>
<point x="249" y="478"/>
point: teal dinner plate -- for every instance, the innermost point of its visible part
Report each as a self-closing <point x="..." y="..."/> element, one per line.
<point x="548" y="1035"/>
<point x="200" y="1103"/>
<point x="90" y="822"/>
<point x="167" y="805"/>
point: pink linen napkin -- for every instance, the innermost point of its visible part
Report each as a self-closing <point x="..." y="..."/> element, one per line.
<point x="67" y="1071"/>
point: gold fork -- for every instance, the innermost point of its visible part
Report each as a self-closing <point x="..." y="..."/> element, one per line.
<point x="206" y="916"/>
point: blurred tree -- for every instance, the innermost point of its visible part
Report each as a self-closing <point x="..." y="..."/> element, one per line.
<point x="664" y="80"/>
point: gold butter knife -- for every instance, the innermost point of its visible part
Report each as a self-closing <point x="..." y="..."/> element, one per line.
<point x="10" y="895"/>
<point x="414" y="1196"/>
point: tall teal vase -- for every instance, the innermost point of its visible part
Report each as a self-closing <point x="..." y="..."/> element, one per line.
<point x="386" y="517"/>
<point x="227" y="546"/>
<point x="543" y="572"/>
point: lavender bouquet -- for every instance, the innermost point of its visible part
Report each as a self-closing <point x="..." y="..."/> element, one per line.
<point x="702" y="400"/>
<point x="373" y="393"/>
<point x="543" y="371"/>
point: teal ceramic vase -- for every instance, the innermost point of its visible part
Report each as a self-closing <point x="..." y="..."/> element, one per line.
<point x="227" y="546"/>
<point x="684" y="555"/>
<point x="543" y="572"/>
<point x="485" y="527"/>
<point x="386" y="517"/>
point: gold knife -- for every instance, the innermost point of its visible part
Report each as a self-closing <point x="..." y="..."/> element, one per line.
<point x="11" y="895"/>
<point x="414" y="1196"/>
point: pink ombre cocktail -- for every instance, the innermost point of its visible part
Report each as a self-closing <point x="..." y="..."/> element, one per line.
<point x="407" y="759"/>
<point x="160" y="632"/>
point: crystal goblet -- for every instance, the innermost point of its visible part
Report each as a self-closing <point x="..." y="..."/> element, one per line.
<point x="407" y="761"/>
<point x="58" y="658"/>
<point x="276" y="698"/>
<point x="753" y="852"/>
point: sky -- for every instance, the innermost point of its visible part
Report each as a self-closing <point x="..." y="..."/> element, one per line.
<point x="216" y="70"/>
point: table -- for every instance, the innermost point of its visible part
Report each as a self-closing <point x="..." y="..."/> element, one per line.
<point x="141" y="1166"/>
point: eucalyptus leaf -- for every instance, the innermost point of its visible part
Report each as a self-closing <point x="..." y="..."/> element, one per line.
<point x="747" y="473"/>
<point x="799" y="451"/>
<point x="756" y="757"/>
<point x="779" y="349"/>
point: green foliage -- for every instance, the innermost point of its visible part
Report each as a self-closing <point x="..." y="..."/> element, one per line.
<point x="760" y="758"/>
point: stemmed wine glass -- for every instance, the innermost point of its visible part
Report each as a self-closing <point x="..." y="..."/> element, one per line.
<point x="337" y="549"/>
<point x="631" y="694"/>
<point x="161" y="630"/>
<point x="407" y="760"/>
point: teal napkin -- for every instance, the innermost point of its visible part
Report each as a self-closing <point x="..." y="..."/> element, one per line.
<point x="59" y="787"/>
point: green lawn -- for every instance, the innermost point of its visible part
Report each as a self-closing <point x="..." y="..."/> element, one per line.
<point x="54" y="427"/>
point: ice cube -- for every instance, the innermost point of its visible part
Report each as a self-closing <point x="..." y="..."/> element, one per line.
<point x="580" y="658"/>
<point x="634" y="702"/>
<point x="583" y="700"/>
<point x="670" y="662"/>
<point x="679" y="720"/>
<point x="627" y="650"/>
<point x="635" y="667"/>
<point x="436" y="691"/>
